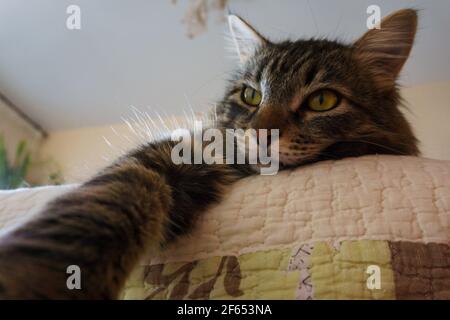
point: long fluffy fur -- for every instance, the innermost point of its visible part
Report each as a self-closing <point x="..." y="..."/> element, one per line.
<point x="144" y="201"/>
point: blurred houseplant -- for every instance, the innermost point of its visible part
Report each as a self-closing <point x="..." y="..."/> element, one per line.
<point x="13" y="175"/>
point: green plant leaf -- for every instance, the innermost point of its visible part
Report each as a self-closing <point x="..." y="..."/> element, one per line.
<point x="23" y="168"/>
<point x="19" y="152"/>
<point x="4" y="168"/>
<point x="13" y="176"/>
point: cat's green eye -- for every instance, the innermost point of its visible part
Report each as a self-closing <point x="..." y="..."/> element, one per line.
<point x="322" y="100"/>
<point x="251" y="96"/>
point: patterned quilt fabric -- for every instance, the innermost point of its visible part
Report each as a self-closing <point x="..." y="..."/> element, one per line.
<point x="374" y="227"/>
<point x="365" y="269"/>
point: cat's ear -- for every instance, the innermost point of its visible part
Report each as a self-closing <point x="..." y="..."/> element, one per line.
<point x="245" y="38"/>
<point x="387" y="49"/>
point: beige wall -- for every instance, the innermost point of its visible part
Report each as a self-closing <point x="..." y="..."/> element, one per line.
<point x="15" y="129"/>
<point x="430" y="116"/>
<point x="82" y="152"/>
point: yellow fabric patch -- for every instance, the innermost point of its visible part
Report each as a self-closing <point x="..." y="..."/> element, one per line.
<point x="343" y="273"/>
<point x="266" y="276"/>
<point x="260" y="275"/>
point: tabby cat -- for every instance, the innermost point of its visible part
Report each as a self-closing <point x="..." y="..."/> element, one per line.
<point x="329" y="100"/>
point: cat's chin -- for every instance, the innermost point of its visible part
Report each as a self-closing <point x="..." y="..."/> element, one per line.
<point x="348" y="149"/>
<point x="297" y="162"/>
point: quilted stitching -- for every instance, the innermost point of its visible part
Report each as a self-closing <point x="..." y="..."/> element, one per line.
<point x="373" y="197"/>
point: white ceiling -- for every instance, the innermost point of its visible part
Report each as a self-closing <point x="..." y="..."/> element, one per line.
<point x="135" y="52"/>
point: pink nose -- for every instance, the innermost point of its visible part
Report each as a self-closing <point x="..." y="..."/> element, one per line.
<point x="270" y="117"/>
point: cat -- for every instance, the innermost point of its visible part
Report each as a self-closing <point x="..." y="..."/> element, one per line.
<point x="328" y="99"/>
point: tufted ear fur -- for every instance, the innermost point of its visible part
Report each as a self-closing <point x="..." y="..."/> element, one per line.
<point x="245" y="38"/>
<point x="386" y="50"/>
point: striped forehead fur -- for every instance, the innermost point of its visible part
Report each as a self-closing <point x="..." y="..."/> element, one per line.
<point x="363" y="75"/>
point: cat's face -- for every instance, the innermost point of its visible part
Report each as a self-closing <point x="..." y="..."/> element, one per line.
<point x="329" y="100"/>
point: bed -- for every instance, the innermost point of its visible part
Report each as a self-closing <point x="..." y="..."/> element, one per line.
<point x="374" y="227"/>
